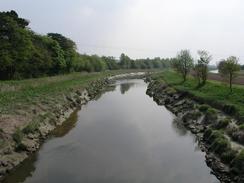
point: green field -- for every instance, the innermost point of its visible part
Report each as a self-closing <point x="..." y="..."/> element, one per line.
<point x="214" y="92"/>
<point x="20" y="94"/>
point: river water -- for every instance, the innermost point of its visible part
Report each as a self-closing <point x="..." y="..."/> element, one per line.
<point x="121" y="137"/>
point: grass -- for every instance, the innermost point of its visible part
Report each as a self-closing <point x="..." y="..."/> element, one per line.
<point x="22" y="93"/>
<point x="213" y="93"/>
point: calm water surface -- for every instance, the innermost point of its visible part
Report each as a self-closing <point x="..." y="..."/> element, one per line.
<point x="121" y="137"/>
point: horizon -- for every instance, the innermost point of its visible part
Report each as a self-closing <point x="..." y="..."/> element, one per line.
<point x="138" y="28"/>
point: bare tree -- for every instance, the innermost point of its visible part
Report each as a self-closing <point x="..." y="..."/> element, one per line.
<point x="183" y="63"/>
<point x="228" y="69"/>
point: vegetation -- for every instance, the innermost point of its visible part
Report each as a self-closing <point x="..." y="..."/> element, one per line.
<point x="213" y="93"/>
<point x="183" y="63"/>
<point x="25" y="54"/>
<point x="201" y="68"/>
<point x="228" y="69"/>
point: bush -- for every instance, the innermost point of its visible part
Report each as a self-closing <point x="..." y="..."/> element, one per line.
<point x="220" y="145"/>
<point x="207" y="134"/>
<point x="223" y="123"/>
<point x="229" y="109"/>
<point x="203" y="108"/>
<point x="241" y="127"/>
<point x="238" y="163"/>
<point x="31" y="127"/>
<point x="228" y="156"/>
<point x="18" y="136"/>
<point x="211" y="115"/>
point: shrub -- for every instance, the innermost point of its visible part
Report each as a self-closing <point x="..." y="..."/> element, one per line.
<point x="211" y="115"/>
<point x="223" y="123"/>
<point x="170" y="91"/>
<point x="241" y="127"/>
<point x="203" y="108"/>
<point x="229" y="109"/>
<point x="220" y="145"/>
<point x="238" y="163"/>
<point x="207" y="134"/>
<point x="228" y="156"/>
<point x="31" y="127"/>
<point x="18" y="136"/>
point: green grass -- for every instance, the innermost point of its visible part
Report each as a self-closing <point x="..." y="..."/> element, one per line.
<point x="20" y="94"/>
<point x="213" y="93"/>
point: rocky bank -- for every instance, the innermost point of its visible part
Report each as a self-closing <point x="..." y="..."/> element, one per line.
<point x="212" y="127"/>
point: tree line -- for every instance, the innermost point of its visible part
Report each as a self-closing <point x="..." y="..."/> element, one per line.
<point x="184" y="64"/>
<point x="26" y="54"/>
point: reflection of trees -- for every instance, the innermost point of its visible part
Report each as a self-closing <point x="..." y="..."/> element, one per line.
<point x="179" y="127"/>
<point x="124" y="87"/>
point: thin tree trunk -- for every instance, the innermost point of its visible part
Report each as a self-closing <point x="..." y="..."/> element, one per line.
<point x="231" y="83"/>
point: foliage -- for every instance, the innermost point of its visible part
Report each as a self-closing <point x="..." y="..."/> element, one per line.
<point x="238" y="163"/>
<point x="201" y="68"/>
<point x="228" y="68"/>
<point x="203" y="108"/>
<point x="213" y="93"/>
<point x="31" y="127"/>
<point x="25" y="54"/>
<point x="223" y="123"/>
<point x="18" y="136"/>
<point x="183" y="63"/>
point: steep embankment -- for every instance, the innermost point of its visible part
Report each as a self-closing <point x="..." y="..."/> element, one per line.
<point x="214" y="129"/>
<point x="31" y="109"/>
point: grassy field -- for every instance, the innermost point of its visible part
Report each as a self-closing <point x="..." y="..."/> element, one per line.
<point x="213" y="92"/>
<point x="16" y="95"/>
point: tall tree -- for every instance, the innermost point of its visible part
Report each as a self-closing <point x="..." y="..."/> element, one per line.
<point x="15" y="45"/>
<point x="125" y="61"/>
<point x="228" y="69"/>
<point x="183" y="63"/>
<point x="69" y="48"/>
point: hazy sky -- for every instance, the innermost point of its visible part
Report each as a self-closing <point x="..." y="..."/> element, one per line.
<point x="140" y="28"/>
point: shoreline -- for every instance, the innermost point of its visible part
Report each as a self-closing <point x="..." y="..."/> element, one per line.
<point x="198" y="122"/>
<point x="32" y="137"/>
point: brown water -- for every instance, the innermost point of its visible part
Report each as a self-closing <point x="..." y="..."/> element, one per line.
<point x="122" y="137"/>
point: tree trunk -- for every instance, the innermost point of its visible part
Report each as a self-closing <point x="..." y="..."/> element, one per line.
<point x="230" y="83"/>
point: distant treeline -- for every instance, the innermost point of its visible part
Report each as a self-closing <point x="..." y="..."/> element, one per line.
<point x="26" y="54"/>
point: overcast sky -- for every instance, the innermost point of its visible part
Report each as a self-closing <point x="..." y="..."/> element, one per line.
<point x="140" y="28"/>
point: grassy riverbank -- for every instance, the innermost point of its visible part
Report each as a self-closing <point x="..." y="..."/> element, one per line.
<point x="23" y="101"/>
<point x="21" y="93"/>
<point x="213" y="93"/>
<point x="220" y="134"/>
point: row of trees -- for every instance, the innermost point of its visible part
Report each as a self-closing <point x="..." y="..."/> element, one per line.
<point x="184" y="64"/>
<point x="25" y="54"/>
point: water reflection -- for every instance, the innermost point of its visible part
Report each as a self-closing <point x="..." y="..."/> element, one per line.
<point x="119" y="138"/>
<point x="179" y="127"/>
<point x="124" y="87"/>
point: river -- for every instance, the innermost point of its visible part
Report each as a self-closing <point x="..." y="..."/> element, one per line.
<point x="121" y="137"/>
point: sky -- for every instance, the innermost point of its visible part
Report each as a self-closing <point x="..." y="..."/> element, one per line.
<point x="140" y="28"/>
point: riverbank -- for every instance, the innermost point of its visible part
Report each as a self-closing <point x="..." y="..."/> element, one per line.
<point x="31" y="109"/>
<point x="215" y="129"/>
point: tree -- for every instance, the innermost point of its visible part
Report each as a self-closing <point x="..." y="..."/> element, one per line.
<point x="69" y="48"/>
<point x="125" y="61"/>
<point x="201" y="68"/>
<point x="15" y="45"/>
<point x="228" y="69"/>
<point x="183" y="63"/>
